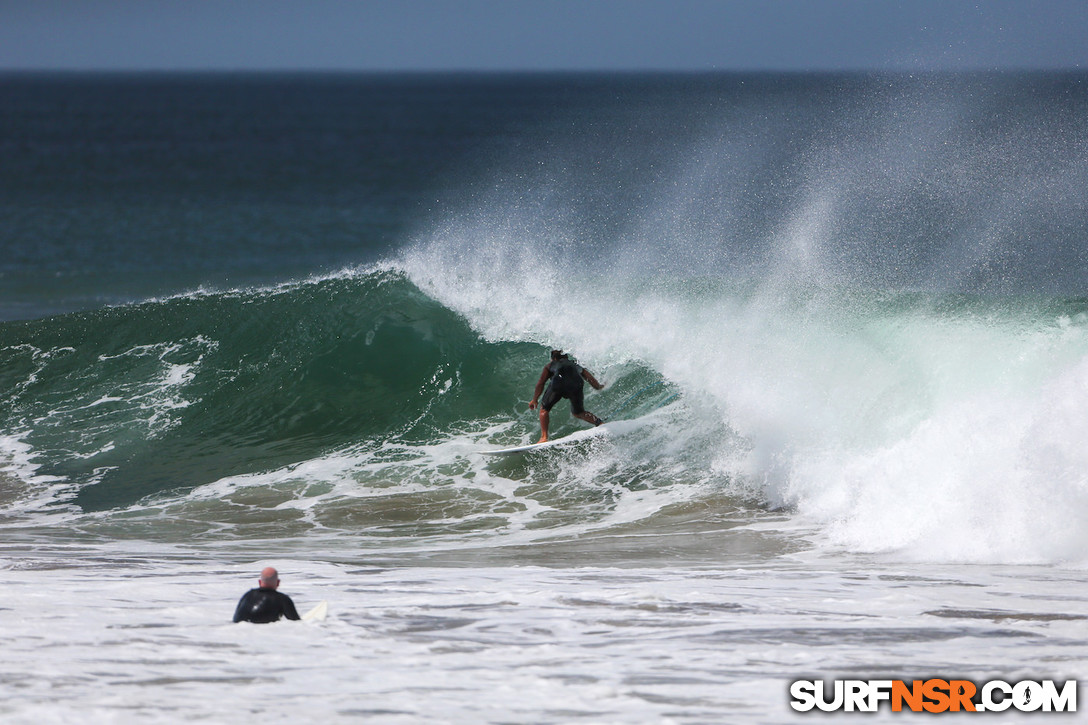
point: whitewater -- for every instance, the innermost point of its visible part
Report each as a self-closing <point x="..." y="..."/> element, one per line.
<point x="840" y="320"/>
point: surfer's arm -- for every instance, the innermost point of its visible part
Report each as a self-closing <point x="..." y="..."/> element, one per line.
<point x="289" y="610"/>
<point x="240" y="610"/>
<point x="540" y="386"/>
<point x="592" y="380"/>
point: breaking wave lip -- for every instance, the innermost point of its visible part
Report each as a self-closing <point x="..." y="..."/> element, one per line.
<point x="868" y="327"/>
<point x="915" y="424"/>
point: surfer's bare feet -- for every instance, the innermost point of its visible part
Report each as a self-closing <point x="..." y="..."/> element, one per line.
<point x="543" y="439"/>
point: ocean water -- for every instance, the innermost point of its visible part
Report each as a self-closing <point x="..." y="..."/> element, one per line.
<point x="274" y="320"/>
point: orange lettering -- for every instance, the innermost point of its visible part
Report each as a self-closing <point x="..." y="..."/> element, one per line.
<point x="912" y="695"/>
<point x="934" y="691"/>
<point x="961" y="693"/>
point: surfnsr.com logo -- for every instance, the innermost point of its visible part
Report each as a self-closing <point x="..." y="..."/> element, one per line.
<point x="934" y="695"/>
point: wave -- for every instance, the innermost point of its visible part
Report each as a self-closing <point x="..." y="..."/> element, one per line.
<point x="126" y="402"/>
<point x="946" y="429"/>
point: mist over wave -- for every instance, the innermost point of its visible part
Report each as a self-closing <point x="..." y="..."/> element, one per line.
<point x="877" y="309"/>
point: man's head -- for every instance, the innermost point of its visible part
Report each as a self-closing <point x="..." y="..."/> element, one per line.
<point x="270" y="578"/>
<point x="557" y="355"/>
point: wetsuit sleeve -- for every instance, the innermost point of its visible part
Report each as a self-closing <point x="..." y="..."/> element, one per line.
<point x="242" y="608"/>
<point x="289" y="610"/>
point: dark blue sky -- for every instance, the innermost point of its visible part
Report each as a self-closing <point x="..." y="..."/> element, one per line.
<point x="543" y="34"/>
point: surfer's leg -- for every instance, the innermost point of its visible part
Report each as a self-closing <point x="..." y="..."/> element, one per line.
<point x="588" y="417"/>
<point x="544" y="421"/>
<point x="550" y="398"/>
<point x="578" y="409"/>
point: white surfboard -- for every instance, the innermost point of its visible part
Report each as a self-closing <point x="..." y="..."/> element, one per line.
<point x="318" y="613"/>
<point x="578" y="437"/>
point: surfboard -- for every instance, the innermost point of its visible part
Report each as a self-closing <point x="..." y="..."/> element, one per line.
<point x="318" y="613"/>
<point x="577" y="437"/>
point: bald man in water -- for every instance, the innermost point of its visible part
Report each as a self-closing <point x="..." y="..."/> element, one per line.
<point x="264" y="604"/>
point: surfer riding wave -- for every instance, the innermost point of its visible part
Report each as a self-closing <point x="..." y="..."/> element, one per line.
<point x="567" y="381"/>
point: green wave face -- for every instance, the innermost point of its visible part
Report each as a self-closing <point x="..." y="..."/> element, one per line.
<point x="171" y="394"/>
<point x="129" y="401"/>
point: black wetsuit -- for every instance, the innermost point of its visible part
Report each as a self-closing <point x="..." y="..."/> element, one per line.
<point x="263" y="606"/>
<point x="566" y="382"/>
